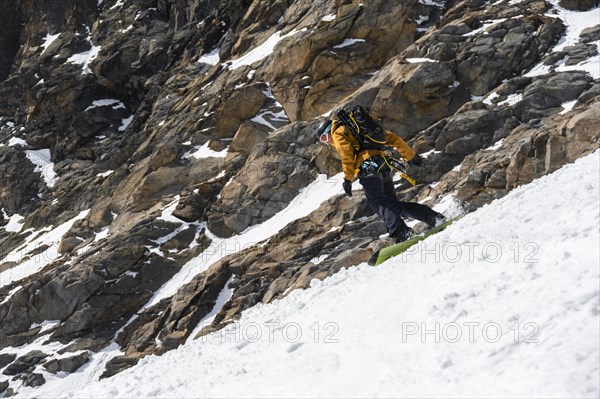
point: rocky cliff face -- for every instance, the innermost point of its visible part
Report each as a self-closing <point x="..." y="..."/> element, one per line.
<point x="140" y="140"/>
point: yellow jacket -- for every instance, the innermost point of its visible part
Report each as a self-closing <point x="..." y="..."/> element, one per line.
<point x="347" y="146"/>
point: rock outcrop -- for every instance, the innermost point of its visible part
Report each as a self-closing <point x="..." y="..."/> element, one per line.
<point x="171" y="129"/>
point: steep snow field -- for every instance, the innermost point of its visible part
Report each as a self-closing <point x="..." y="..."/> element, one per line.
<point x="505" y="302"/>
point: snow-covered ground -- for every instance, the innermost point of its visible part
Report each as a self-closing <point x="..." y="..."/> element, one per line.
<point x="204" y="151"/>
<point x="268" y="117"/>
<point x="85" y="58"/>
<point x="348" y="42"/>
<point x="211" y="58"/>
<point x="14" y="224"/>
<point x="43" y="165"/>
<point x="40" y="158"/>
<point x="261" y="51"/>
<point x="505" y="302"/>
<point x="48" y="40"/>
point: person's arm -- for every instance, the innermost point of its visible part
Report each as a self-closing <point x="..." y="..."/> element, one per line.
<point x="346" y="151"/>
<point x="394" y="141"/>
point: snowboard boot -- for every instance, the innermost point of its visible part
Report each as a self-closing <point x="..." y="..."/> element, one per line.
<point x="436" y="220"/>
<point x="402" y="235"/>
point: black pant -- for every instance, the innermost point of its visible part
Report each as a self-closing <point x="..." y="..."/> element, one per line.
<point x="380" y="192"/>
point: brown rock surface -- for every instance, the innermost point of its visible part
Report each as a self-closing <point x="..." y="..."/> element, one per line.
<point x="171" y="150"/>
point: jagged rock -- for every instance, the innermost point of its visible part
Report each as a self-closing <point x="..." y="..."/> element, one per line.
<point x="25" y="362"/>
<point x="93" y="122"/>
<point x="6" y="358"/>
<point x="511" y="86"/>
<point x="118" y="364"/>
<point x="75" y="296"/>
<point x="19" y="184"/>
<point x="192" y="302"/>
<point x="19" y="338"/>
<point x="68" y="364"/>
<point x="588" y="95"/>
<point x="327" y="160"/>
<point x="242" y="105"/>
<point x="546" y="94"/>
<point x="68" y="244"/>
<point x="305" y="275"/>
<point x="525" y="154"/>
<point x="181" y="240"/>
<point x="497" y="179"/>
<point x="195" y="200"/>
<point x="579" y="5"/>
<point x="61" y="295"/>
<point x="478" y="65"/>
<point x="145" y="187"/>
<point x="3" y="386"/>
<point x="339" y="70"/>
<point x="183" y="315"/>
<point x="472" y="128"/>
<point x="579" y="53"/>
<point x="581" y="133"/>
<point x="258" y="192"/>
<point x="11" y="22"/>
<point x="191" y="206"/>
<point x="93" y="342"/>
<point x="296" y="56"/>
<point x="442" y="44"/>
<point x="34" y="380"/>
<point x="513" y="36"/>
<point x="397" y="91"/>
<point x="100" y="217"/>
<point x="164" y="181"/>
<point x="575" y="54"/>
<point x="164" y="155"/>
<point x="590" y="34"/>
<point x="248" y="136"/>
<point x="354" y="256"/>
<point x="136" y="278"/>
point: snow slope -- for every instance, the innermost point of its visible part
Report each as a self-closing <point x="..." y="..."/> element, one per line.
<point x="505" y="302"/>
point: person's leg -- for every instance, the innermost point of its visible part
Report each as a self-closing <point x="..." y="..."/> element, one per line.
<point x="420" y="212"/>
<point x="374" y="191"/>
<point x="411" y="210"/>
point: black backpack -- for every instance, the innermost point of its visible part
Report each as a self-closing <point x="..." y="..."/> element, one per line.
<point x="367" y="131"/>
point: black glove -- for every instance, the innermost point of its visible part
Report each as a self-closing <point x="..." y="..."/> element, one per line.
<point x="347" y="184"/>
<point x="416" y="161"/>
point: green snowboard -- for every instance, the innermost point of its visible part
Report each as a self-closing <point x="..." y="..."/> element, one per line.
<point x="384" y="254"/>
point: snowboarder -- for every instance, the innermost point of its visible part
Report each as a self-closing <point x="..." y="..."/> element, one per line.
<point x="363" y="155"/>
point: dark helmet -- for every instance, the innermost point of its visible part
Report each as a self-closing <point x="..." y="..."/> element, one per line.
<point x="324" y="128"/>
